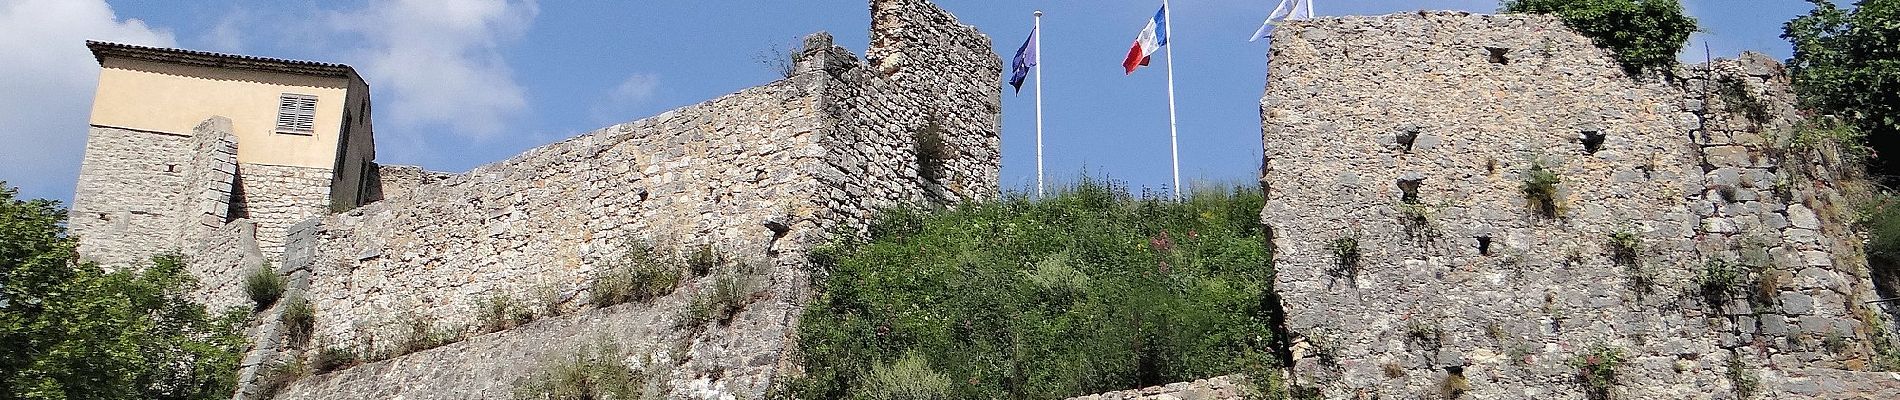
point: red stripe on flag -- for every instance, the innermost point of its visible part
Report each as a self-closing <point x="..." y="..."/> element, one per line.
<point x="1135" y="59"/>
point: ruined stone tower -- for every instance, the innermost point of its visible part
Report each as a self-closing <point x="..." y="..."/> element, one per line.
<point x="1487" y="206"/>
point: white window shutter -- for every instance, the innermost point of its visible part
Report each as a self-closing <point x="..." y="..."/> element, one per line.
<point x="296" y="113"/>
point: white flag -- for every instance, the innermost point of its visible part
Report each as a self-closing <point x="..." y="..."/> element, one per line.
<point x="1289" y="10"/>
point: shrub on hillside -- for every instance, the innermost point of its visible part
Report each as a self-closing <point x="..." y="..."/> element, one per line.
<point x="264" y="287"/>
<point x="1086" y="291"/>
<point x="71" y="330"/>
<point x="1845" y="65"/>
<point x="640" y="274"/>
<point x="1643" y="35"/>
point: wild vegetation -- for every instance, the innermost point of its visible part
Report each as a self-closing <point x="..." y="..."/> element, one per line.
<point x="1088" y="290"/>
<point x="1643" y="35"/>
<point x="71" y="330"/>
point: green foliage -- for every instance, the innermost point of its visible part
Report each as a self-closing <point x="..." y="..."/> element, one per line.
<point x="264" y="286"/>
<point x="1844" y="64"/>
<point x="1644" y="35"/>
<point x="909" y="378"/>
<point x="1720" y="280"/>
<point x="279" y="376"/>
<point x="335" y="358"/>
<point x="639" y="275"/>
<point x="1881" y="220"/>
<point x="1345" y="251"/>
<point x="496" y="313"/>
<point x="424" y="335"/>
<point x="703" y="260"/>
<point x="299" y="319"/>
<point x="1084" y="291"/>
<point x="1626" y="247"/>
<point x="1596" y="371"/>
<point x="730" y="294"/>
<point x="71" y="330"/>
<point x="1540" y="188"/>
<point x="1744" y="382"/>
<point x="593" y="372"/>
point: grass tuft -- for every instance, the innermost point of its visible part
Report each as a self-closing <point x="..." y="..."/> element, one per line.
<point x="264" y="287"/>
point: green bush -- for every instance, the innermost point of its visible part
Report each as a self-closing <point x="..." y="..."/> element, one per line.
<point x="501" y="312"/>
<point x="299" y="319"/>
<point x="1596" y="371"/>
<point x="424" y="335"/>
<point x="594" y="372"/>
<point x="71" y="330"/>
<point x="639" y="275"/>
<point x="335" y="358"/>
<point x="264" y="286"/>
<point x="1720" y="280"/>
<point x="1540" y="189"/>
<point x="1643" y="35"/>
<point x="730" y="294"/>
<point x="1085" y="291"/>
<point x="703" y="260"/>
<point x="279" y="376"/>
<point x="1844" y="65"/>
<point x="909" y="378"/>
<point x="1626" y="247"/>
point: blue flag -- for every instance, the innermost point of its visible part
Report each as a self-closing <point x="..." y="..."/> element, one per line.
<point x="1025" y="59"/>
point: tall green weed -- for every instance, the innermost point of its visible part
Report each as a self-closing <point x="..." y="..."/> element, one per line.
<point x="1089" y="290"/>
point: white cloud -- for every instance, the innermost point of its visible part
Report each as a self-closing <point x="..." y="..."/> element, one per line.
<point x="438" y="62"/>
<point x="625" y="98"/>
<point x="228" y="35"/>
<point x="46" y="86"/>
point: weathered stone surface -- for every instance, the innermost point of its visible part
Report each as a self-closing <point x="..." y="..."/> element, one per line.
<point x="758" y="175"/>
<point x="1222" y="387"/>
<point x="1683" y="165"/>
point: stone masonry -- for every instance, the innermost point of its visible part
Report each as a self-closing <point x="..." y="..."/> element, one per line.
<point x="1412" y="264"/>
<point x="758" y="175"/>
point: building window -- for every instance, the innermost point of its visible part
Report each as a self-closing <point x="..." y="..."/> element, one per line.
<point x="296" y="114"/>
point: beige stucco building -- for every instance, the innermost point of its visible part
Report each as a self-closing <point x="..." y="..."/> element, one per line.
<point x="184" y="141"/>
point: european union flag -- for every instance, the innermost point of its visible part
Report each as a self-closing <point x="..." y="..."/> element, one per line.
<point x="1025" y="59"/>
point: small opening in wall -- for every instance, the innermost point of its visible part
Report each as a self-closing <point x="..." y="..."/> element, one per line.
<point x="1408" y="188"/>
<point x="1407" y="136"/>
<point x="1484" y="245"/>
<point x="1498" y="55"/>
<point x="1592" y="140"/>
<point x="171" y="167"/>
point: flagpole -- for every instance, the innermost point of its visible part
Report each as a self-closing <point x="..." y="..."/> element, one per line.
<point x="1038" y="35"/>
<point x="1174" y="148"/>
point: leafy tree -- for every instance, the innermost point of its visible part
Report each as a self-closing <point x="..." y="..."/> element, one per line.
<point x="1644" y="35"/>
<point x="1847" y="63"/>
<point x="72" y="330"/>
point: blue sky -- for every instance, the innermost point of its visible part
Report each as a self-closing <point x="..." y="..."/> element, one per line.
<point x="460" y="83"/>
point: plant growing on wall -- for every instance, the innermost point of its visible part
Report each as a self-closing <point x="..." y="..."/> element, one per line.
<point x="263" y="286"/>
<point x="1346" y="255"/>
<point x="1540" y="189"/>
<point x="1643" y="35"/>
<point x="1596" y="371"/>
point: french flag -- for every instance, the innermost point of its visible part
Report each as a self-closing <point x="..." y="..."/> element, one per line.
<point x="1151" y="39"/>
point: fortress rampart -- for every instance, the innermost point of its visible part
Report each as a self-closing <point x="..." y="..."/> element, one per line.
<point x="758" y="175"/>
<point x="1683" y="234"/>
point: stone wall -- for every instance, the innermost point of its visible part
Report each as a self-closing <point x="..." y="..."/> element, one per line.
<point x="399" y="180"/>
<point x="130" y="192"/>
<point x="1220" y="387"/>
<point x="276" y="197"/>
<point x="758" y="175"/>
<point x="1412" y="264"/>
